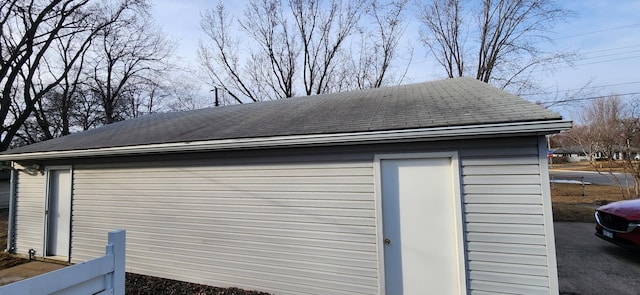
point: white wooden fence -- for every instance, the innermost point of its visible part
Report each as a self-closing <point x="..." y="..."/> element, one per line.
<point x="104" y="275"/>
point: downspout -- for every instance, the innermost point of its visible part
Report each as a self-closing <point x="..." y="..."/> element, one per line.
<point x="11" y="237"/>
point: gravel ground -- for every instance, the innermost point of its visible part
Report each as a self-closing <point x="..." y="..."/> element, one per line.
<point x="145" y="285"/>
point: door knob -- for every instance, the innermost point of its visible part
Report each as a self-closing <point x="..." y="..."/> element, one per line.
<point x="387" y="242"/>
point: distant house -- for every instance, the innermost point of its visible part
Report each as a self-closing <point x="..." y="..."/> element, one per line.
<point x="583" y="154"/>
<point x="431" y="188"/>
<point x="571" y="154"/>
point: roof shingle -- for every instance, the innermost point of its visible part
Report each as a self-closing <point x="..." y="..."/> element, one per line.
<point x="452" y="102"/>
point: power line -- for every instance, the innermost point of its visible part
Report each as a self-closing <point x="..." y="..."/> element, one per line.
<point x="587" y="63"/>
<point x="611" y="54"/>
<point x="599" y="31"/>
<point x="556" y="102"/>
<point x="586" y="57"/>
<point x="612" y="49"/>
<point x="608" y="60"/>
<point x="576" y="89"/>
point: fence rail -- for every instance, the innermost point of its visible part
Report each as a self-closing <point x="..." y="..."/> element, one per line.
<point x="103" y="275"/>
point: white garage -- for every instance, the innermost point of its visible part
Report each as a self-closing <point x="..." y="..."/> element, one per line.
<point x="438" y="187"/>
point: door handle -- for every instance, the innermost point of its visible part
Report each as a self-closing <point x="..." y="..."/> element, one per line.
<point x="387" y="241"/>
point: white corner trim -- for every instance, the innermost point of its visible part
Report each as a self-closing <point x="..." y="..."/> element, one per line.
<point x="552" y="261"/>
<point x="422" y="134"/>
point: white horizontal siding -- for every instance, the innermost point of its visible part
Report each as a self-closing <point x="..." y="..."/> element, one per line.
<point x="487" y="286"/>
<point x="507" y="258"/>
<point x="29" y="212"/>
<point x="505" y="222"/>
<point x="292" y="228"/>
<point x="473" y="218"/>
<point x="535" y="270"/>
<point x="501" y="199"/>
<point x="512" y="239"/>
<point x="297" y="224"/>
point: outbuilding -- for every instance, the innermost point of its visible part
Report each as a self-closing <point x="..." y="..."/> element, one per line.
<point x="432" y="188"/>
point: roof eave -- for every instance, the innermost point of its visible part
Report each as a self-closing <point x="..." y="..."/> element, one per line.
<point x="404" y="135"/>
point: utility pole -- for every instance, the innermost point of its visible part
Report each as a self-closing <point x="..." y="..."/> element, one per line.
<point x="216" y="101"/>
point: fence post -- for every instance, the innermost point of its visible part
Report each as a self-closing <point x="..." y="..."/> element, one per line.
<point x="116" y="247"/>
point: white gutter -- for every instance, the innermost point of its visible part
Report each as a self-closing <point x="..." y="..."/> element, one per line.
<point x="423" y="134"/>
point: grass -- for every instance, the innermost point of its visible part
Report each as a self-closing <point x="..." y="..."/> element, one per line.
<point x="568" y="201"/>
<point x="7" y="260"/>
<point x="569" y="204"/>
<point x="601" y="166"/>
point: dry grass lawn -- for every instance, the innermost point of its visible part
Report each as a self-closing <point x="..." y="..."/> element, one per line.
<point x="570" y="205"/>
<point x="7" y="260"/>
<point x="602" y="166"/>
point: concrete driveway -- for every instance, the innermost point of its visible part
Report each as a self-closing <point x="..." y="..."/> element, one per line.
<point x="589" y="265"/>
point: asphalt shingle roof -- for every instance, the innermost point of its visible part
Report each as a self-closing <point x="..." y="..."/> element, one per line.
<point x="452" y="102"/>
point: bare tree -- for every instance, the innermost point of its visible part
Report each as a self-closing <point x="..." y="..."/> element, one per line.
<point x="604" y="117"/>
<point x="506" y="38"/>
<point x="323" y="32"/>
<point x="127" y="58"/>
<point x="188" y="96"/>
<point x="630" y="126"/>
<point x="221" y="59"/>
<point x="54" y="112"/>
<point x="609" y="134"/>
<point x="299" y="46"/>
<point x="442" y="33"/>
<point x="28" y="70"/>
<point x="370" y="60"/>
<point x="87" y="112"/>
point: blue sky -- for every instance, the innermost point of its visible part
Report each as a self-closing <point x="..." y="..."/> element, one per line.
<point x="606" y="33"/>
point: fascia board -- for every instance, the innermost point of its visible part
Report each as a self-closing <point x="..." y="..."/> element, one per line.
<point x="423" y="134"/>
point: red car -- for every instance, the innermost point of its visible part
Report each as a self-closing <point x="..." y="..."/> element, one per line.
<point x="619" y="223"/>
